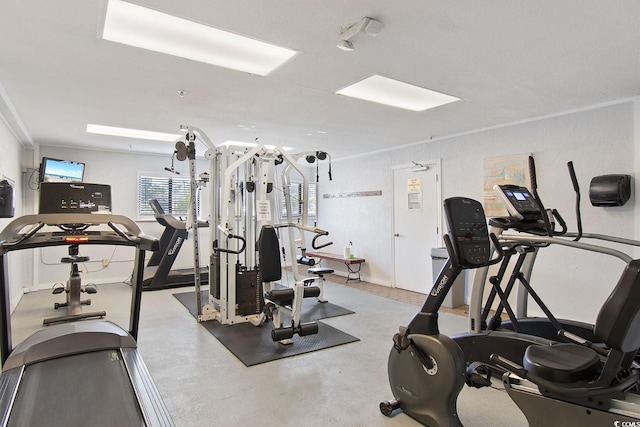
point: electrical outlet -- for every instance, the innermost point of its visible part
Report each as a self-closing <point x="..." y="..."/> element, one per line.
<point x="105" y="262"/>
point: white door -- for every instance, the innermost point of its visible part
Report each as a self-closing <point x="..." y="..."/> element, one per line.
<point x="416" y="217"/>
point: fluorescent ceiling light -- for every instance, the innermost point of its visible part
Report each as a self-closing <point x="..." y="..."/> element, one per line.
<point x="251" y="145"/>
<point x="132" y="133"/>
<point x="138" y="26"/>
<point x="384" y="90"/>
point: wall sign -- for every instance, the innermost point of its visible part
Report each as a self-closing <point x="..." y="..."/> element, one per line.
<point x="353" y="194"/>
<point x="414" y="184"/>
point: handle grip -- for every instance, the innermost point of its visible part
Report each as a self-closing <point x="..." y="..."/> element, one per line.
<point x="313" y="242"/>
<point x="572" y="174"/>
<point x="532" y="173"/>
<point x="561" y="221"/>
<point x="576" y="188"/>
<point x="231" y="251"/>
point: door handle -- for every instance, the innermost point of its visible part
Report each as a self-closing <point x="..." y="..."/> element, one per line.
<point x="396" y="234"/>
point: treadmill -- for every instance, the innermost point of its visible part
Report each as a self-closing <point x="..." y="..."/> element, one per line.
<point x="81" y="373"/>
<point x="158" y="273"/>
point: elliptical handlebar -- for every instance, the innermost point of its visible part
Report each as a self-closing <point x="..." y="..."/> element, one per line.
<point x="576" y="188"/>
<point x="498" y="247"/>
<point x="561" y="221"/>
<point x="510" y="239"/>
<point x="534" y="191"/>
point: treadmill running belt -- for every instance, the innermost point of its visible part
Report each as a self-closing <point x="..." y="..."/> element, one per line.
<point x="90" y="389"/>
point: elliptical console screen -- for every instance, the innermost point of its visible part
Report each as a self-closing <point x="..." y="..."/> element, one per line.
<point x="519" y="202"/>
<point x="468" y="231"/>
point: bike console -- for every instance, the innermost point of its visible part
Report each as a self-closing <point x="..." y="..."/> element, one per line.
<point x="468" y="232"/>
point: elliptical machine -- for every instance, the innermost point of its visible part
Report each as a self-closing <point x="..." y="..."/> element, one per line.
<point x="426" y="368"/>
<point x="527" y="215"/>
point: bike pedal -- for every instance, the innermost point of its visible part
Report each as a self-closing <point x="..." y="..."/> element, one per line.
<point x="478" y="375"/>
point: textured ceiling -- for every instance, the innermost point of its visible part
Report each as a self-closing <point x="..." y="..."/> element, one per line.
<point x="507" y="60"/>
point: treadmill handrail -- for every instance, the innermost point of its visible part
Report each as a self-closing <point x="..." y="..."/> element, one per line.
<point x="165" y="219"/>
<point x="12" y="238"/>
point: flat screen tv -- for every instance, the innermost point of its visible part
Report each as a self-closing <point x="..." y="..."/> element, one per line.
<point x="55" y="170"/>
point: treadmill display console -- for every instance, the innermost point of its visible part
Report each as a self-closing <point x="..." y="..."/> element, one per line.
<point x="468" y="231"/>
<point x="519" y="202"/>
<point x="64" y="197"/>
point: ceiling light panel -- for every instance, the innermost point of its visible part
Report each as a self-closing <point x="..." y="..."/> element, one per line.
<point x="145" y="28"/>
<point x="132" y="133"/>
<point x="384" y="90"/>
<point x="251" y="145"/>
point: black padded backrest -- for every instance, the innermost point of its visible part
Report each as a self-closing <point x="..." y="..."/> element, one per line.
<point x="618" y="322"/>
<point x="269" y="254"/>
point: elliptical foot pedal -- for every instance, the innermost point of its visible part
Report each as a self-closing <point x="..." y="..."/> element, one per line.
<point x="90" y="289"/>
<point x="58" y="288"/>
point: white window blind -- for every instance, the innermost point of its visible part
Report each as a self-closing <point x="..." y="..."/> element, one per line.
<point x="172" y="192"/>
<point x="295" y="190"/>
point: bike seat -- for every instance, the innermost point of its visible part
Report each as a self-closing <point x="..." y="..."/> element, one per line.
<point x="561" y="363"/>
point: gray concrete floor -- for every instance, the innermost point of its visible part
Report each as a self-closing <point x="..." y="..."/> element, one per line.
<point x="202" y="383"/>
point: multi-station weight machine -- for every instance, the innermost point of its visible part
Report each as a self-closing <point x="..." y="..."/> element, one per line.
<point x="245" y="263"/>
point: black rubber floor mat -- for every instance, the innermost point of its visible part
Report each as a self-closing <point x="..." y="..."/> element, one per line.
<point x="253" y="344"/>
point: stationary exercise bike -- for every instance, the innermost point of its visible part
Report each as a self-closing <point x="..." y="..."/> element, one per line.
<point x="572" y="384"/>
<point x="73" y="302"/>
<point x="427" y="369"/>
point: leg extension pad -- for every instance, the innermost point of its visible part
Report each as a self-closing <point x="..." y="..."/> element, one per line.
<point x="285" y="296"/>
<point x="287" y="333"/>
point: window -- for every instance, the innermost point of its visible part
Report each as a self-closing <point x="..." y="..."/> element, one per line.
<point x="171" y="191"/>
<point x="295" y="190"/>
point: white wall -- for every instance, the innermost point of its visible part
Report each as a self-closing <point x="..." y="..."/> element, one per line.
<point x="598" y="141"/>
<point x="120" y="170"/>
<point x="11" y="166"/>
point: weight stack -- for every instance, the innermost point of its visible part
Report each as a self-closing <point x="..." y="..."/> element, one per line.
<point x="214" y="275"/>
<point x="249" y="297"/>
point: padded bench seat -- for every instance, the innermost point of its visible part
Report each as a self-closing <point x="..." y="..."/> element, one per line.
<point x="320" y="271"/>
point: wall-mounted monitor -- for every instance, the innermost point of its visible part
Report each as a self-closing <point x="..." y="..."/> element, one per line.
<point x="55" y="170"/>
